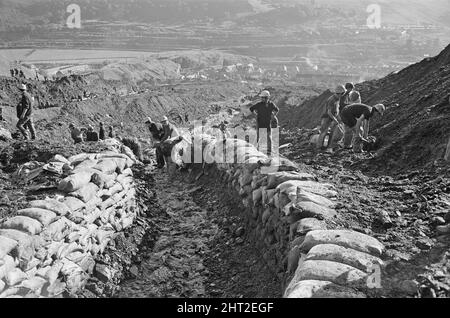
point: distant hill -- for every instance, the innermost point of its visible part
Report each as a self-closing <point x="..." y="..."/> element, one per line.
<point x="20" y="13"/>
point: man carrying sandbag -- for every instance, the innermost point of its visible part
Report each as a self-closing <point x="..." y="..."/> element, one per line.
<point x="24" y="114"/>
<point x="266" y="112"/>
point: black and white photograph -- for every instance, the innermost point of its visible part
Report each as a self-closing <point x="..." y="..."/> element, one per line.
<point x="231" y="156"/>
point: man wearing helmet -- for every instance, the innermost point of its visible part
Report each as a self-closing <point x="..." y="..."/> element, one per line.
<point x="24" y="113"/>
<point x="265" y="111"/>
<point x="356" y="119"/>
<point x="330" y="117"/>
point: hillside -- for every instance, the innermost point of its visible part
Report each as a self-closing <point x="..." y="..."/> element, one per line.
<point x="416" y="126"/>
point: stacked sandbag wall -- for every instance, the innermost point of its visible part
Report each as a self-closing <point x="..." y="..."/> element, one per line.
<point x="290" y="216"/>
<point x="49" y="248"/>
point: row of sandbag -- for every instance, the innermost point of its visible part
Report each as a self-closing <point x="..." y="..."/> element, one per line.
<point x="290" y="212"/>
<point x="49" y="247"/>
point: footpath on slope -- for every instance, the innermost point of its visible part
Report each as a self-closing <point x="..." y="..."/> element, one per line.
<point x="199" y="251"/>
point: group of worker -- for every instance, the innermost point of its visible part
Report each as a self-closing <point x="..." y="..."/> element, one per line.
<point x="81" y="134"/>
<point x="345" y="113"/>
<point x="17" y="73"/>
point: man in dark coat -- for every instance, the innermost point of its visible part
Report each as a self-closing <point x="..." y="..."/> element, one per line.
<point x="24" y="113"/>
<point x="266" y="112"/>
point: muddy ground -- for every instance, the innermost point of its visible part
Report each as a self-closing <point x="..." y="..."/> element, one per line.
<point x="200" y="250"/>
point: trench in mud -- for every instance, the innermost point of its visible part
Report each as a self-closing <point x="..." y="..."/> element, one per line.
<point x="202" y="247"/>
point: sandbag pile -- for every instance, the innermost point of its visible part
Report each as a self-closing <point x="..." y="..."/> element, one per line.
<point x="49" y="247"/>
<point x="282" y="206"/>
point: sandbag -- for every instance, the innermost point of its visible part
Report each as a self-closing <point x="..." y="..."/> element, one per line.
<point x="127" y="172"/>
<point x="76" y="256"/>
<point x="309" y="224"/>
<point x="323" y="189"/>
<point x="74" y="204"/>
<point x="14" y="277"/>
<point x="257" y="195"/>
<point x="8" y="265"/>
<point x="75" y="276"/>
<point x="6" y="246"/>
<point x="52" y="274"/>
<point x="86" y="164"/>
<point x="321" y="289"/>
<point x="121" y="164"/>
<point x="26" y="244"/>
<point x="107" y="166"/>
<point x="75" y="181"/>
<point x="103" y="180"/>
<point x="29" y="266"/>
<point x="307" y="209"/>
<point x="43" y="216"/>
<point x="51" y="205"/>
<point x="34" y="284"/>
<point x="81" y="157"/>
<point x="336" y="253"/>
<point x="334" y="272"/>
<point x="91" y="217"/>
<point x="58" y="230"/>
<point x="68" y="248"/>
<point x="114" y="189"/>
<point x="59" y="158"/>
<point x="312" y="197"/>
<point x="130" y="154"/>
<point x="92" y="204"/>
<point x="86" y="193"/>
<point x="349" y="239"/>
<point x="24" y="224"/>
<point x="277" y="178"/>
<point x="53" y="290"/>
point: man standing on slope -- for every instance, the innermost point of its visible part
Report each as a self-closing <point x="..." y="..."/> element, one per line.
<point x="356" y="119"/>
<point x="265" y="112"/>
<point x="24" y="113"/>
<point x="330" y="117"/>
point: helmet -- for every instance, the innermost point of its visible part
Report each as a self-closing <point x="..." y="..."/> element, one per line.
<point x="349" y="86"/>
<point x="265" y="94"/>
<point x="380" y="108"/>
<point x="354" y="96"/>
<point x="149" y="120"/>
<point x="165" y="119"/>
<point x="23" y="87"/>
<point x="340" y="89"/>
<point x="71" y="125"/>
